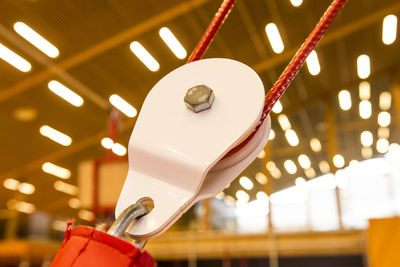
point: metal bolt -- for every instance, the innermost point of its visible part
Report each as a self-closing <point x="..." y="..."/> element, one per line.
<point x="199" y="98"/>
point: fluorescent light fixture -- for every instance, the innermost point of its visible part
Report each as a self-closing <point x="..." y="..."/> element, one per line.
<point x="242" y="196"/>
<point x="277" y="108"/>
<point x="123" y="106"/>
<point x="291" y="137"/>
<point x="394" y="149"/>
<point x="220" y="196"/>
<point x="304" y="161"/>
<point x="353" y="162"/>
<point x="107" y="142"/>
<point x="261" y="178"/>
<point x="65" y="93"/>
<point x="274" y="38"/>
<point x="384" y="118"/>
<point x="59" y="225"/>
<point x="363" y="66"/>
<point x="313" y="63"/>
<point x="284" y="122"/>
<point x="74" y="203"/>
<point x="170" y="40"/>
<point x="13" y="59"/>
<point x="338" y="161"/>
<point x="118" y="149"/>
<point x="261" y="155"/>
<point x="344" y="100"/>
<point x="55" y="170"/>
<point x="366" y="138"/>
<point x="86" y="215"/>
<point x="300" y="181"/>
<point x="290" y="166"/>
<point x="11" y="184"/>
<point x="296" y="3"/>
<point x="385" y="100"/>
<point x="11" y="204"/>
<point x="324" y="167"/>
<point x="65" y="188"/>
<point x="273" y="170"/>
<point x="55" y="135"/>
<point x="366" y="152"/>
<point x="36" y="39"/>
<point x="383" y="132"/>
<point x="25" y="207"/>
<point x="262" y="196"/>
<point x="271" y="134"/>
<point x="26" y="188"/>
<point x="364" y="90"/>
<point x="365" y="109"/>
<point x="144" y="56"/>
<point x="270" y="165"/>
<point x="310" y="172"/>
<point x="315" y="145"/>
<point x="389" y="29"/>
<point x="246" y="183"/>
<point x="382" y="145"/>
<point x="229" y="200"/>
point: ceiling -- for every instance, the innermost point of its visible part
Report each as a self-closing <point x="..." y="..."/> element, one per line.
<point x="95" y="61"/>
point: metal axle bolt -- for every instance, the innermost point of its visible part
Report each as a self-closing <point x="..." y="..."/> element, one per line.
<point x="199" y="98"/>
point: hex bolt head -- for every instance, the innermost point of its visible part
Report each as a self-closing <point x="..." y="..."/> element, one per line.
<point x="199" y="98"/>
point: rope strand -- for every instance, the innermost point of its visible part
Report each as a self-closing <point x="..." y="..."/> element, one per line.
<point x="290" y="71"/>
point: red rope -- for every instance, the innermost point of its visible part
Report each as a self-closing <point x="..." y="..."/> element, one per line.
<point x="290" y="71"/>
<point x="211" y="31"/>
<point x="294" y="66"/>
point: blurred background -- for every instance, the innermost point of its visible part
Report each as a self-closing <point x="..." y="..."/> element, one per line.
<point x="324" y="192"/>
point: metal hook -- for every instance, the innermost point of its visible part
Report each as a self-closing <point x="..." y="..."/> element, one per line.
<point x="129" y="217"/>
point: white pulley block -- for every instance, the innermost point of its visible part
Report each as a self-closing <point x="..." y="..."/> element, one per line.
<point x="176" y="155"/>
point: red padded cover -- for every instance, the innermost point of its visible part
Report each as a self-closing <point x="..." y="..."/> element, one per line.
<point x="85" y="247"/>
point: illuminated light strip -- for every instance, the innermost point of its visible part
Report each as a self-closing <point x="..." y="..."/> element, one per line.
<point x="365" y="109"/>
<point x="65" y="93"/>
<point x="107" y="142"/>
<point x="277" y="107"/>
<point x="13" y="59"/>
<point x="11" y="184"/>
<point x="290" y="166"/>
<point x="274" y="38"/>
<point x="315" y="145"/>
<point x="366" y="138"/>
<point x="363" y="66"/>
<point x="36" y="39"/>
<point x="172" y="42"/>
<point x="291" y="137"/>
<point x="55" y="170"/>
<point x="284" y="122"/>
<point x="55" y="135"/>
<point x="144" y="56"/>
<point x="313" y="63"/>
<point x="246" y="183"/>
<point x="389" y="29"/>
<point x="344" y="100"/>
<point x="304" y="161"/>
<point x="21" y="206"/>
<point x="86" y="215"/>
<point x="296" y="3"/>
<point x="118" y="149"/>
<point x="123" y="106"/>
<point x="26" y="188"/>
<point x="66" y="188"/>
<point x="338" y="161"/>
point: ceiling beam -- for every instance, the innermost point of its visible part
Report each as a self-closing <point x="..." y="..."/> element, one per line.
<point x="100" y="48"/>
